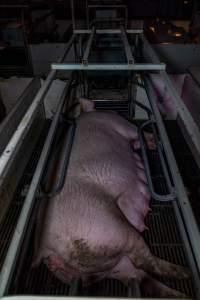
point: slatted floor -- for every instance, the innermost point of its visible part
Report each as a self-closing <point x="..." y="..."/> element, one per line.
<point x="163" y="239"/>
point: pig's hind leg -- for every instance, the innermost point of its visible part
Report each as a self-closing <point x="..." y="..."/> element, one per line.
<point x="125" y="271"/>
<point x="142" y="258"/>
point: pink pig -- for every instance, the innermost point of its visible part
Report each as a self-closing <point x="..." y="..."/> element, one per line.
<point x="91" y="229"/>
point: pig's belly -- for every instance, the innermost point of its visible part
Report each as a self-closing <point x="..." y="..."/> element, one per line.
<point x="109" y="162"/>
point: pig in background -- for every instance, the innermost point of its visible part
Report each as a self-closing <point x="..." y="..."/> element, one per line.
<point x="92" y="228"/>
<point x="188" y="90"/>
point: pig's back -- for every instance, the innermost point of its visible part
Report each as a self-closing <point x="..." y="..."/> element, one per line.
<point x="101" y="154"/>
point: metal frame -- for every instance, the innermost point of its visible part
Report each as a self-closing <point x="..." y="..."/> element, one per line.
<point x="88" y="7"/>
<point x="76" y="298"/>
<point x="190" y="128"/>
<point x="88" y="47"/>
<point x="17" y="138"/>
<point x="108" y="67"/>
<point x="127" y="48"/>
<point x="13" y="251"/>
<point x="190" y="232"/>
<point x="108" y="31"/>
<point x="189" y="228"/>
<point x="130" y="66"/>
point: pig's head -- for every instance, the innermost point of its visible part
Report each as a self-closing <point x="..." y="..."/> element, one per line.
<point x="86" y="105"/>
<point x="164" y="100"/>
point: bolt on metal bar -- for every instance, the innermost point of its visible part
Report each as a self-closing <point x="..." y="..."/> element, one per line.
<point x="108" y="31"/>
<point x="109" y="67"/>
<point x="127" y="48"/>
<point x="191" y="129"/>
<point x="88" y="47"/>
<point x="14" y="248"/>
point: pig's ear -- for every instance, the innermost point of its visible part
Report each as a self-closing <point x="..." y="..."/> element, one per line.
<point x="87" y="105"/>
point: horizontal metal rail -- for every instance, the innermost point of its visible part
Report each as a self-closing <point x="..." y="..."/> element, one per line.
<point x="109" y="67"/>
<point x="107" y="5"/>
<point x="108" y="31"/>
<point x="76" y="298"/>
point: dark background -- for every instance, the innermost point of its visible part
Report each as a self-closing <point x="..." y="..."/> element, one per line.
<point x="172" y="9"/>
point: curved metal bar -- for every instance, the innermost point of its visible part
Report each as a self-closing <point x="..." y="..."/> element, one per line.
<point x="67" y="148"/>
<point x="164" y="198"/>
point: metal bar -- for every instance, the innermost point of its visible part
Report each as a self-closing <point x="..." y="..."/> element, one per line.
<point x="133" y="289"/>
<point x="14" y="248"/>
<point x="9" y="124"/>
<point x="65" y="157"/>
<point x="88" y="47"/>
<point x="126" y="17"/>
<point x="73" y="15"/>
<point x="108" y="31"/>
<point x="13" y="6"/>
<point x="163" y="198"/>
<point x="127" y="48"/>
<point x="26" y="297"/>
<point x="17" y="138"/>
<point x="193" y="132"/>
<point x="75" y="288"/>
<point x="109" y="67"/>
<point x="182" y="198"/>
<point x="87" y="14"/>
<point x="106" y="6"/>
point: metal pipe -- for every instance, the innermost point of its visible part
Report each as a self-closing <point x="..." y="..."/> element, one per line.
<point x="133" y="289"/>
<point x="127" y="48"/>
<point x="14" y="248"/>
<point x="64" y="160"/>
<point x="75" y="288"/>
<point x="109" y="67"/>
<point x="25" y="124"/>
<point x="26" y="297"/>
<point x="73" y="14"/>
<point x="108" y="31"/>
<point x="88" y="47"/>
<point x="106" y="6"/>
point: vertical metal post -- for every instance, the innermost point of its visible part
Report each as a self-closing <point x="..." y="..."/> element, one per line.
<point x="127" y="47"/>
<point x="87" y="15"/>
<point x="73" y="15"/>
<point x="88" y="47"/>
<point x="126" y="17"/>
